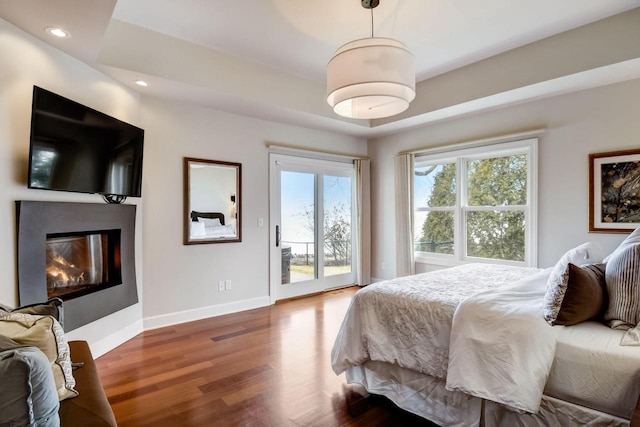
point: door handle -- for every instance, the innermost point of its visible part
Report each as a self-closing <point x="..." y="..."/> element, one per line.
<point x="277" y="236"/>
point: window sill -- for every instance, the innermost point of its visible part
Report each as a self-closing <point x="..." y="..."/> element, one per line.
<point x="441" y="261"/>
<point x="452" y="262"/>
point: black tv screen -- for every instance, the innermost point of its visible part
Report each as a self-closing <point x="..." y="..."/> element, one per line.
<point x="76" y="148"/>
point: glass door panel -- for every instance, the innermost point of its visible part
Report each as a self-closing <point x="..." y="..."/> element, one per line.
<point x="311" y="219"/>
<point x="337" y="194"/>
<point x="297" y="226"/>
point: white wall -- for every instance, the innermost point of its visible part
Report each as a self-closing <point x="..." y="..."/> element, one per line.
<point x="181" y="281"/>
<point x="590" y="121"/>
<point x="26" y="61"/>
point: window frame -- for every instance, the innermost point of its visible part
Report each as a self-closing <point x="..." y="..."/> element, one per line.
<point x="461" y="157"/>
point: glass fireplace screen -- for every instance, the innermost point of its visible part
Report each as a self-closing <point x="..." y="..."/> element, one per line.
<point x="79" y="263"/>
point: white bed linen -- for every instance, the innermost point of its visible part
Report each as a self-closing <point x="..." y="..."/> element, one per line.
<point x="502" y="349"/>
<point x="202" y="230"/>
<point x="407" y="321"/>
<point x="220" y="231"/>
<point x="417" y="393"/>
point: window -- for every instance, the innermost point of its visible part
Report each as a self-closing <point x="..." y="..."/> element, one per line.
<point x="476" y="205"/>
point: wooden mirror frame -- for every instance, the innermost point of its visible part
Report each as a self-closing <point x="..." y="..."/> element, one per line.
<point x="223" y="203"/>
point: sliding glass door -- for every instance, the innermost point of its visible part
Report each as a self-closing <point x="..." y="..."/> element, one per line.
<point x="312" y="225"/>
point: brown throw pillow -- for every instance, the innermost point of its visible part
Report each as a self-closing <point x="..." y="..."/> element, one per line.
<point x="53" y="308"/>
<point x="585" y="297"/>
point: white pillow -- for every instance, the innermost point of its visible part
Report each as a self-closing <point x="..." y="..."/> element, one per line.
<point x="210" y="222"/>
<point x="197" y="229"/>
<point x="586" y="253"/>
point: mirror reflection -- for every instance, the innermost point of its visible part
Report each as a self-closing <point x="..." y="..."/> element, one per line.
<point x="212" y="201"/>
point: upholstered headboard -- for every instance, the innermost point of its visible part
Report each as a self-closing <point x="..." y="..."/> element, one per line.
<point x="210" y="215"/>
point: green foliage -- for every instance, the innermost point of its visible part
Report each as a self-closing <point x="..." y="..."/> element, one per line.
<point x="496" y="235"/>
<point x="437" y="230"/>
<point x="500" y="181"/>
<point x="444" y="186"/>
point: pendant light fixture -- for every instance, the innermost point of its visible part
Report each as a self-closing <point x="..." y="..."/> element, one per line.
<point x="371" y="78"/>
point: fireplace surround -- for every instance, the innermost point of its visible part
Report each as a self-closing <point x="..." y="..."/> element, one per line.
<point x="99" y="279"/>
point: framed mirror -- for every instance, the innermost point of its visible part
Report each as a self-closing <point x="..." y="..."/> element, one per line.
<point x="212" y="201"/>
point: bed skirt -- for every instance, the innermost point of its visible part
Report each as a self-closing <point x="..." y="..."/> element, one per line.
<point x="427" y="397"/>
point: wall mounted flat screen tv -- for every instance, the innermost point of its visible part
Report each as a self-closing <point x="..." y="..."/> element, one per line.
<point x="76" y="148"/>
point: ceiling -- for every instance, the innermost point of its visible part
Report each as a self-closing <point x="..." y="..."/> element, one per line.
<point x="267" y="58"/>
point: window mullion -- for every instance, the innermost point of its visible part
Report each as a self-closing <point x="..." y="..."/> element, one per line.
<point x="523" y="208"/>
<point x="460" y="230"/>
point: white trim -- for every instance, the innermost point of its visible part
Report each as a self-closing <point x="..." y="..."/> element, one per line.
<point x="454" y="147"/>
<point x="438" y="259"/>
<point x="308" y="164"/>
<point x="112" y="341"/>
<point x="293" y="150"/>
<point x="476" y="152"/>
<point x="125" y="334"/>
<point x="155" y="322"/>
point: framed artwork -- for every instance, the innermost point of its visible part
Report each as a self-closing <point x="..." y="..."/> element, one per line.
<point x="614" y="191"/>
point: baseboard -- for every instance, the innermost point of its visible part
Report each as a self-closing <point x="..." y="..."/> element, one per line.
<point x="107" y="344"/>
<point x="176" y="318"/>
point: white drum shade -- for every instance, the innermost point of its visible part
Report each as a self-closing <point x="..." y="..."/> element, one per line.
<point x="371" y="78"/>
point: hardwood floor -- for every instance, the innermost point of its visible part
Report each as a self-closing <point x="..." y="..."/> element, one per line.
<point x="264" y="367"/>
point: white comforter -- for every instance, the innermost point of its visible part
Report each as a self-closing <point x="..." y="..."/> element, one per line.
<point x="501" y="347"/>
<point x="407" y="321"/>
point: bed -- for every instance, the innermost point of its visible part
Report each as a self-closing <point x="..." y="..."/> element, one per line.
<point x="210" y="225"/>
<point x="469" y="346"/>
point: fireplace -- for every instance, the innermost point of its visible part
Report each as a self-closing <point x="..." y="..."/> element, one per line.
<point x="82" y="262"/>
<point x="83" y="253"/>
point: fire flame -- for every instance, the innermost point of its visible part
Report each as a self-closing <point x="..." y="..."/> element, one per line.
<point x="61" y="273"/>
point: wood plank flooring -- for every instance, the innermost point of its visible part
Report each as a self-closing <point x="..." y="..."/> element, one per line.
<point x="263" y="367"/>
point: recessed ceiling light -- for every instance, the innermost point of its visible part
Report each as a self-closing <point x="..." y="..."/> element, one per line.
<point x="58" y="32"/>
<point x="142" y="83"/>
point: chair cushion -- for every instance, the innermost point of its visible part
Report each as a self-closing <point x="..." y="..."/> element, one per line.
<point x="45" y="333"/>
<point x="27" y="391"/>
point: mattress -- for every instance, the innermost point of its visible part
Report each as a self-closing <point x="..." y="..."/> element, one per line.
<point x="592" y="369"/>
